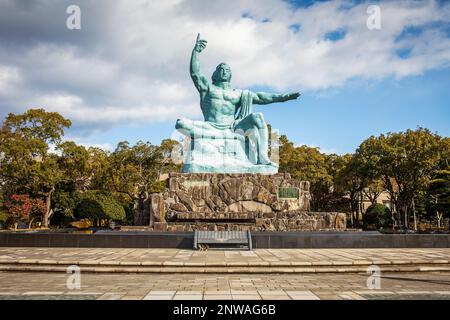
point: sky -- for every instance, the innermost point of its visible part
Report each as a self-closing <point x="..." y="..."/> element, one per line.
<point x="125" y="74"/>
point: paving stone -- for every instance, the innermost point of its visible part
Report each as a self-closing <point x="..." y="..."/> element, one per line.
<point x="217" y="297"/>
<point x="110" y="296"/>
<point x="246" y="297"/>
<point x="161" y="293"/>
<point x="45" y="293"/>
<point x="164" y="297"/>
<point x="244" y="292"/>
<point x="188" y="297"/>
<point x="272" y="292"/>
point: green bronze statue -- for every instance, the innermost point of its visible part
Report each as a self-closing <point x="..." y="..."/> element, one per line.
<point x="218" y="143"/>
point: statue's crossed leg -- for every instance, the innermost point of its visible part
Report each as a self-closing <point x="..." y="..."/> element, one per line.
<point x="252" y="126"/>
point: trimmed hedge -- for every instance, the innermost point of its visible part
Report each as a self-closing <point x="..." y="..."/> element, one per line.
<point x="99" y="205"/>
<point x="377" y="215"/>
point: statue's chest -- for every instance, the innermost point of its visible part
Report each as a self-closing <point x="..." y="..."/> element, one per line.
<point x="232" y="96"/>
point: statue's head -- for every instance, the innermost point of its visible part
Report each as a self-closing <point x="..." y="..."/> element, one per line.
<point x="222" y="73"/>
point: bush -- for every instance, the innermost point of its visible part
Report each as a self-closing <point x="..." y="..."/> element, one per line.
<point x="3" y="218"/>
<point x="127" y="204"/>
<point x="64" y="204"/>
<point x="377" y="215"/>
<point x="99" y="205"/>
<point x="60" y="219"/>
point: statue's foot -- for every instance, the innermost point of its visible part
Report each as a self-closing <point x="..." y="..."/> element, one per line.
<point x="266" y="161"/>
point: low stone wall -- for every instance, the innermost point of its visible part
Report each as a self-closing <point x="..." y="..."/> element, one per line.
<point x="185" y="240"/>
<point x="279" y="221"/>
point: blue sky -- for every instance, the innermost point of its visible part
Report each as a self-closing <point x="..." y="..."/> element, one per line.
<point x="124" y="75"/>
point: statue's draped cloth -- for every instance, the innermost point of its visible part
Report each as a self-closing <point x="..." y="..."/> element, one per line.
<point x="243" y="111"/>
<point x="246" y="105"/>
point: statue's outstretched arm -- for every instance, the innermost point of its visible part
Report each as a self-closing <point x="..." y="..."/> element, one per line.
<point x="200" y="81"/>
<point x="266" y="98"/>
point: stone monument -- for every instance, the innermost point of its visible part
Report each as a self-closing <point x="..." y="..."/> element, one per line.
<point x="228" y="180"/>
<point x="222" y="142"/>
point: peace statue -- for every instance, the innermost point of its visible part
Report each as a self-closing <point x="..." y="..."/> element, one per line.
<point x="231" y="139"/>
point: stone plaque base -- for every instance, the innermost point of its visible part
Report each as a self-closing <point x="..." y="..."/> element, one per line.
<point x="256" y="202"/>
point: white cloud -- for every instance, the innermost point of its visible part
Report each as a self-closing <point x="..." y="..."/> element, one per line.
<point x="129" y="63"/>
<point x="9" y="78"/>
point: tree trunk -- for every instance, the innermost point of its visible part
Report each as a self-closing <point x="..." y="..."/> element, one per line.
<point x="142" y="211"/>
<point x="414" y="213"/>
<point x="439" y="217"/>
<point x="48" y="204"/>
<point x="399" y="216"/>
<point x="351" y="220"/>
<point x="31" y="222"/>
<point x="405" y="213"/>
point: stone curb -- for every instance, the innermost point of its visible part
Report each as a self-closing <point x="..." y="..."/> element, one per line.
<point x="224" y="269"/>
<point x="258" y="264"/>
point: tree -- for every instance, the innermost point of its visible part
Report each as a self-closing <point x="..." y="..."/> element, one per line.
<point x="97" y="205"/>
<point x="439" y="194"/>
<point x="24" y="208"/>
<point x="309" y="164"/>
<point x="3" y="212"/>
<point x="74" y="161"/>
<point x="27" y="166"/>
<point x="99" y="168"/>
<point x="135" y="171"/>
<point x="19" y="208"/>
<point x="349" y="180"/>
<point x="405" y="162"/>
<point x="372" y="189"/>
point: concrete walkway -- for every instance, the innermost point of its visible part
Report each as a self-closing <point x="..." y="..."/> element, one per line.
<point x="324" y="286"/>
<point x="257" y="261"/>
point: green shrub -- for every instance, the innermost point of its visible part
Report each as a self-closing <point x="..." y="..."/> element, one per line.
<point x="377" y="215"/>
<point x="99" y="205"/>
<point x="3" y="218"/>
<point x="127" y="204"/>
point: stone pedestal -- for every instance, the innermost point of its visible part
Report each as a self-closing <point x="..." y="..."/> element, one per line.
<point x="257" y="202"/>
<point x="226" y="152"/>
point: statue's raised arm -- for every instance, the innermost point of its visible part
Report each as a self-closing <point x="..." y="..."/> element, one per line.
<point x="200" y="81"/>
<point x="266" y="98"/>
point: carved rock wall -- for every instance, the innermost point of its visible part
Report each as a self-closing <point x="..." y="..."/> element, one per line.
<point x="281" y="221"/>
<point x="206" y="201"/>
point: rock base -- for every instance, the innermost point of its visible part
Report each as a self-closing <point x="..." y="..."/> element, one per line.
<point x="256" y="202"/>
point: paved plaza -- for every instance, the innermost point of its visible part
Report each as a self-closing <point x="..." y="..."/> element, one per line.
<point x="152" y="274"/>
<point x="224" y="287"/>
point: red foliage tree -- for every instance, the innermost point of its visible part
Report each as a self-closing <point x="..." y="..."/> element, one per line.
<point x="23" y="208"/>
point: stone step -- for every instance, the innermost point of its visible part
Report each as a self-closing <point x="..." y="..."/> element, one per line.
<point x="92" y="266"/>
<point x="216" y="270"/>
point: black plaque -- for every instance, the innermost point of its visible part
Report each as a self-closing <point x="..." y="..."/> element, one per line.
<point x="288" y="193"/>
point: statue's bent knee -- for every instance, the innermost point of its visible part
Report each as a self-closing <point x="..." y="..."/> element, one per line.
<point x="258" y="118"/>
<point x="181" y="124"/>
<point x="184" y="126"/>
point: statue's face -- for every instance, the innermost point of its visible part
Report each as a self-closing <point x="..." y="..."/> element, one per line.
<point x="222" y="73"/>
